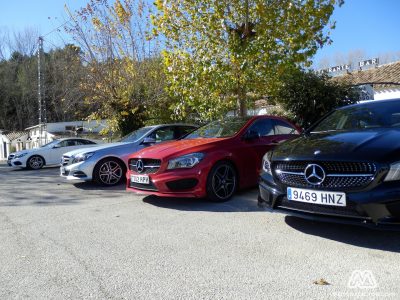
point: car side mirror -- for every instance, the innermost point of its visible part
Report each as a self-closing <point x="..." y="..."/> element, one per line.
<point x="148" y="140"/>
<point x="251" y="135"/>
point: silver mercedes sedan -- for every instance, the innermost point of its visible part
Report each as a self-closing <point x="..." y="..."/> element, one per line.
<point x="107" y="164"/>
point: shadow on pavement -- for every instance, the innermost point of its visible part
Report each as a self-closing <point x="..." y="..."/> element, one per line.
<point x="39" y="170"/>
<point x="91" y="186"/>
<point x="245" y="201"/>
<point x="348" y="234"/>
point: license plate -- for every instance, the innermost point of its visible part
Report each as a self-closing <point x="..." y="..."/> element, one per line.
<point x="143" y="179"/>
<point x="316" y="197"/>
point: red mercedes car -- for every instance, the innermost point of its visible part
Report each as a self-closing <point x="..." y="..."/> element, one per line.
<point x="213" y="161"/>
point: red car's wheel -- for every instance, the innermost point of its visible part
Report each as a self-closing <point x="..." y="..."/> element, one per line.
<point x="221" y="182"/>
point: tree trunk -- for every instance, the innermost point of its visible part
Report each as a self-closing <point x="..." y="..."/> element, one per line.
<point x="242" y="107"/>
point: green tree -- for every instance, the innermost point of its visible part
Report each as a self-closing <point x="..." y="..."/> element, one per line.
<point x="307" y="96"/>
<point x="125" y="78"/>
<point x="63" y="73"/>
<point x="221" y="53"/>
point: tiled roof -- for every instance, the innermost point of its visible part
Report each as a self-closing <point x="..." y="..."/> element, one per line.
<point x="381" y="77"/>
<point x="13" y="135"/>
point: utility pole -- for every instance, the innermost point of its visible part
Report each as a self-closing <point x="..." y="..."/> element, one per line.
<point x="41" y="98"/>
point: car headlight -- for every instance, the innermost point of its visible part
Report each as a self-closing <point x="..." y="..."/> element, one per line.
<point x="82" y="157"/>
<point x="185" y="161"/>
<point x="20" y="155"/>
<point x="266" y="163"/>
<point x="394" y="172"/>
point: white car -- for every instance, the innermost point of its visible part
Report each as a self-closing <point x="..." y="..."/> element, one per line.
<point x="49" y="154"/>
<point x="107" y="164"/>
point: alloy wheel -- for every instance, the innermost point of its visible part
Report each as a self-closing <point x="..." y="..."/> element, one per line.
<point x="224" y="181"/>
<point x="110" y="172"/>
<point x="36" y="162"/>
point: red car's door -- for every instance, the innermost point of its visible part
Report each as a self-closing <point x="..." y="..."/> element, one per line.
<point x="262" y="136"/>
<point x="255" y="142"/>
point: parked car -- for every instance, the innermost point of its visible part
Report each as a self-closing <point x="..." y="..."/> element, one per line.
<point x="107" y="164"/>
<point x="345" y="168"/>
<point x="49" y="154"/>
<point x="214" y="160"/>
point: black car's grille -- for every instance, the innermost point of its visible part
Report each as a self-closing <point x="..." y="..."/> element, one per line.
<point x="146" y="165"/>
<point x="338" y="175"/>
<point x="329" y="167"/>
<point x="350" y="210"/>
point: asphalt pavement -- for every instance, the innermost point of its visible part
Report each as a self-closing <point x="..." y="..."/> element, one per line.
<point x="66" y="240"/>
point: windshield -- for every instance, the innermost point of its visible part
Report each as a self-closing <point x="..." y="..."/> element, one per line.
<point x="218" y="129"/>
<point x="51" y="144"/>
<point x="371" y="115"/>
<point x="135" y="135"/>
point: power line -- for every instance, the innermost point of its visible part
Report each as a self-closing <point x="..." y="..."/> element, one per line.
<point x="56" y="28"/>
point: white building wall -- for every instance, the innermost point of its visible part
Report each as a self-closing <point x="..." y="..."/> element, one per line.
<point x="387" y="94"/>
<point x="4" y="147"/>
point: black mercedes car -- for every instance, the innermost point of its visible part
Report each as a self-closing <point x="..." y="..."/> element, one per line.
<point x="345" y="168"/>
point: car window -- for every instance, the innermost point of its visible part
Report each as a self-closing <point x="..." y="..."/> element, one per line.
<point x="80" y="142"/>
<point x="84" y="142"/>
<point x="219" y="129"/>
<point x="163" y="134"/>
<point x="184" y="130"/>
<point x="263" y="127"/>
<point x="282" y="127"/>
<point x="67" y="143"/>
<point x="369" y="115"/>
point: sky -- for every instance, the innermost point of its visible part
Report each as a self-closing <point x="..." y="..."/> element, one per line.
<point x="369" y="28"/>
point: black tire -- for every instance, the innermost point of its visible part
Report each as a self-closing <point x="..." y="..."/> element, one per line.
<point x="221" y="182"/>
<point x="109" y="172"/>
<point x="35" y="162"/>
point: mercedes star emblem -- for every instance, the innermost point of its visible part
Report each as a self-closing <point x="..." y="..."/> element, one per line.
<point x="314" y="174"/>
<point x="140" y="166"/>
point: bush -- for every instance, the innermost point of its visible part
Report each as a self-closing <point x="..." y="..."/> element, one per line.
<point x="307" y="96"/>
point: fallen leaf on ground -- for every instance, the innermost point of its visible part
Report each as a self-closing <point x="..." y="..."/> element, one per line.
<point x="321" y="282"/>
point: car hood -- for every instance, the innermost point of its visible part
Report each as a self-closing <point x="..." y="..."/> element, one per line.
<point x="380" y="145"/>
<point x="26" y="151"/>
<point x="177" y="148"/>
<point x="97" y="148"/>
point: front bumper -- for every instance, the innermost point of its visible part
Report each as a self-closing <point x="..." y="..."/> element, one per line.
<point x="17" y="163"/>
<point x="77" y="171"/>
<point x="381" y="205"/>
<point x="181" y="183"/>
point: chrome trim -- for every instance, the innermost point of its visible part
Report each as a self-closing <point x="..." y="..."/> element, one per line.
<point x="350" y="175"/>
<point x="327" y="175"/>
<point x="287" y="172"/>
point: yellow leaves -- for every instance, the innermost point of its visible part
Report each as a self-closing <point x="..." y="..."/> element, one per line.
<point x="97" y="23"/>
<point x="159" y="4"/>
<point x="123" y="14"/>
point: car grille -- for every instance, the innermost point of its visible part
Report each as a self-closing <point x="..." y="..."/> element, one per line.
<point x="65" y="160"/>
<point x="140" y="186"/>
<point x="339" y="175"/>
<point x="149" y="166"/>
